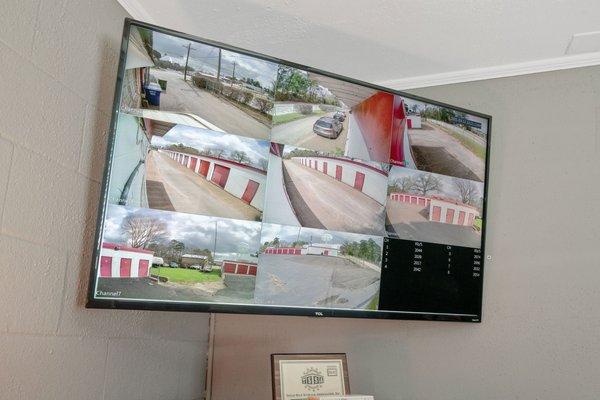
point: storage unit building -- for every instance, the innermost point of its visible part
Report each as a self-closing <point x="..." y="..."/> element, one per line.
<point x="367" y="178"/>
<point x="243" y="181"/>
<point x="119" y="261"/>
<point x="187" y="260"/>
<point x="239" y="267"/>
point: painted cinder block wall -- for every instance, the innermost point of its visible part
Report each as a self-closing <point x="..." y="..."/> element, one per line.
<point x="59" y="63"/>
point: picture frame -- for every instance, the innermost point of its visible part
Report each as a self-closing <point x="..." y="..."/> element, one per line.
<point x="297" y="375"/>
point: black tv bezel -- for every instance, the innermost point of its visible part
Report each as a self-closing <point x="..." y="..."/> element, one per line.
<point x="166" y="305"/>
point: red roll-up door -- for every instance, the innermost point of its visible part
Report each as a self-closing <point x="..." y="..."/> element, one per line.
<point x="250" y="191"/>
<point x="242" y="269"/>
<point x="252" y="270"/>
<point x="193" y="163"/>
<point x="409" y="123"/>
<point x="338" y="172"/>
<point x="471" y="218"/>
<point x="359" y="181"/>
<point x="229" y="268"/>
<point x="461" y="217"/>
<point x="125" y="268"/>
<point x="325" y="167"/>
<point x="204" y="166"/>
<point x="449" y="215"/>
<point x="316" y="165"/>
<point x="220" y="175"/>
<point x="105" y="267"/>
<point x="436" y="213"/>
<point x="421" y="201"/>
<point x="143" y="268"/>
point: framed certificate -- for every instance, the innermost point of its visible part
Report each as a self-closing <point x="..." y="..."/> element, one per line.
<point x="299" y="376"/>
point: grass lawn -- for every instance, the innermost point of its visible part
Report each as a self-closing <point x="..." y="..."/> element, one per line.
<point x="184" y="275"/>
<point x="478" y="224"/>
<point x="374" y="303"/>
<point x="472" y="145"/>
<point x="282" y="119"/>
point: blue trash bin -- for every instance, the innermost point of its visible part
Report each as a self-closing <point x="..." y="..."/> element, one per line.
<point x="153" y="94"/>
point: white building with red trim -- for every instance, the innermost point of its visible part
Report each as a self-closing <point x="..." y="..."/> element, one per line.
<point x="239" y="267"/>
<point x="413" y="121"/>
<point x="452" y="212"/>
<point x="365" y="177"/>
<point x="119" y="261"/>
<point x="242" y="181"/>
<point x="320" y="249"/>
<point x="441" y="209"/>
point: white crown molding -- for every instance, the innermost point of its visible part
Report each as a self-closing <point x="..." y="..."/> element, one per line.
<point x="500" y="71"/>
<point x="136" y="10"/>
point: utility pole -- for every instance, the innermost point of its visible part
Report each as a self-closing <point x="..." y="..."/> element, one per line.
<point x="234" y="63"/>
<point x="219" y="66"/>
<point x="189" y="47"/>
<point x="215" y="243"/>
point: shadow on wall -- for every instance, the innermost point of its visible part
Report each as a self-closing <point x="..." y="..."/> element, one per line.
<point x="97" y="128"/>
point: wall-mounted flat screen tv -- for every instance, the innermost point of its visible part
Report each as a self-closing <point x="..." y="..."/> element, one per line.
<point x="241" y="183"/>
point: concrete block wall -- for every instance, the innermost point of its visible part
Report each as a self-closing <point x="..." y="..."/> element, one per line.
<point x="59" y="62"/>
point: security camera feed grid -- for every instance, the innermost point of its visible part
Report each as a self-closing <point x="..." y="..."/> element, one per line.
<point x="235" y="180"/>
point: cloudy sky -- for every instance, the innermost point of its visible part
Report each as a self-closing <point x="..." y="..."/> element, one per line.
<point x="293" y="233"/>
<point x="448" y="186"/>
<point x="234" y="237"/>
<point x="204" y="139"/>
<point x="206" y="58"/>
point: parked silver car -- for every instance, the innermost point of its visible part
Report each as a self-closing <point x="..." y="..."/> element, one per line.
<point x="328" y="127"/>
<point x="340" y="116"/>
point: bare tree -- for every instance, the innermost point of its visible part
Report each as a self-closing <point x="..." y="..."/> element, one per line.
<point x="404" y="184"/>
<point x="142" y="231"/>
<point x="263" y="163"/>
<point x="424" y="184"/>
<point x="219" y="152"/>
<point x="468" y="191"/>
<point x="239" y="156"/>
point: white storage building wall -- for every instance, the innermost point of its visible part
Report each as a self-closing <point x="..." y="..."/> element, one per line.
<point x="451" y="213"/>
<point x="374" y="181"/>
<point x="237" y="181"/>
<point x="130" y="151"/>
<point x="280" y="210"/>
<point x="117" y="261"/>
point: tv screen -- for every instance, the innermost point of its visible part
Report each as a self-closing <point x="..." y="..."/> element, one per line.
<point x="237" y="182"/>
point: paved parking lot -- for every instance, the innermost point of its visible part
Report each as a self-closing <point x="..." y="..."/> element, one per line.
<point x="191" y="193"/>
<point x="183" y="97"/>
<point x="314" y="281"/>
<point x="146" y="288"/>
<point x="322" y="202"/>
<point x="436" y="151"/>
<point x="299" y="133"/>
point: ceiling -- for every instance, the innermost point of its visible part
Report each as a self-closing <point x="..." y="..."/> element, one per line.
<point x="400" y="43"/>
